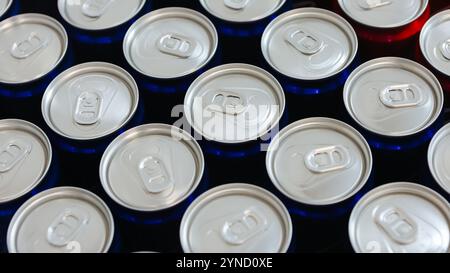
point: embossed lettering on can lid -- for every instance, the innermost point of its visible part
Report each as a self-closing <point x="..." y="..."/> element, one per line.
<point x="170" y="43"/>
<point x="401" y="218"/>
<point x="242" y="11"/>
<point x="62" y="220"/>
<point x="438" y="157"/>
<point x="234" y="103"/>
<point x="152" y="167"/>
<point x="435" y="41"/>
<point x="393" y="97"/>
<point x="4" y="6"/>
<point x="99" y="14"/>
<point x="25" y="158"/>
<point x="236" y="218"/>
<point x="309" y="44"/>
<point x="384" y="13"/>
<point x="319" y="161"/>
<point x="31" y="46"/>
<point x="90" y="101"/>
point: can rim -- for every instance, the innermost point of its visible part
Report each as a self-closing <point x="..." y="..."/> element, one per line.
<point x="437" y="18"/>
<point x="148" y="129"/>
<point x="337" y="19"/>
<point x="397" y="187"/>
<point x="333" y="124"/>
<point x="53" y="194"/>
<point x="61" y="6"/>
<point x="192" y="14"/>
<point x="75" y="70"/>
<point x="257" y="71"/>
<point x="253" y="20"/>
<point x="239" y="188"/>
<point x="419" y="14"/>
<point x="8" y="6"/>
<point x="57" y="26"/>
<point x="443" y="132"/>
<point x="38" y="132"/>
<point x="413" y="67"/>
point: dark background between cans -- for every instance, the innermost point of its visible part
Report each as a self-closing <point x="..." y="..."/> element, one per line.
<point x="309" y="235"/>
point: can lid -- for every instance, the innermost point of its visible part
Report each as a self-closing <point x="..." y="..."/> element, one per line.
<point x="99" y="14"/>
<point x="309" y="44"/>
<point x="236" y="218"/>
<point x="242" y="11"/>
<point x="90" y="101"/>
<point x="401" y="218"/>
<point x="32" y="45"/>
<point x="62" y="220"/>
<point x="234" y="103"/>
<point x="170" y="43"/>
<point x="384" y="13"/>
<point x="152" y="167"/>
<point x="393" y="97"/>
<point x="435" y="41"/>
<point x="4" y="6"/>
<point x="319" y="161"/>
<point x="438" y="155"/>
<point x="25" y="158"/>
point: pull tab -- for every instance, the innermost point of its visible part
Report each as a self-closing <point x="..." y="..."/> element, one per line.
<point x="445" y="49"/>
<point x="397" y="225"/>
<point x="177" y="45"/>
<point x="372" y="4"/>
<point x="328" y="159"/>
<point x="401" y="96"/>
<point x="87" y="110"/>
<point x="236" y="4"/>
<point x="25" y="48"/>
<point x="242" y="227"/>
<point x="154" y="175"/>
<point x="66" y="227"/>
<point x="228" y="103"/>
<point x="304" y="41"/>
<point x="13" y="153"/>
<point x="95" y="8"/>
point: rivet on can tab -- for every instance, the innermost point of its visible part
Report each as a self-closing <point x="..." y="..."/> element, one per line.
<point x="244" y="226"/>
<point x="397" y="225"/>
<point x="328" y="159"/>
<point x="28" y="46"/>
<point x="236" y="4"/>
<point x="177" y="45"/>
<point x="372" y="4"/>
<point x="66" y="227"/>
<point x="95" y="8"/>
<point x="304" y="41"/>
<point x="12" y="154"/>
<point x="401" y="96"/>
<point x="445" y="49"/>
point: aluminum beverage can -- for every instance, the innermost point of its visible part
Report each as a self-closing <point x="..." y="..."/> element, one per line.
<point x="438" y="152"/>
<point x="386" y="28"/>
<point x="401" y="218"/>
<point x="236" y="218"/>
<point x="9" y="8"/>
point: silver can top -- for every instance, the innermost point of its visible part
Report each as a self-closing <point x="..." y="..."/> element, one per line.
<point x="309" y="44"/>
<point x="401" y="218"/>
<point x="152" y="167"/>
<point x="31" y="46"/>
<point x="438" y="156"/>
<point x="25" y="158"/>
<point x="435" y="41"/>
<point x="170" y="43"/>
<point x="234" y="103"/>
<point x="384" y="13"/>
<point x="90" y="101"/>
<point x="319" y="161"/>
<point x="62" y="220"/>
<point x="4" y="6"/>
<point x="236" y="218"/>
<point x="393" y="97"/>
<point x="99" y="14"/>
<point x="242" y="11"/>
